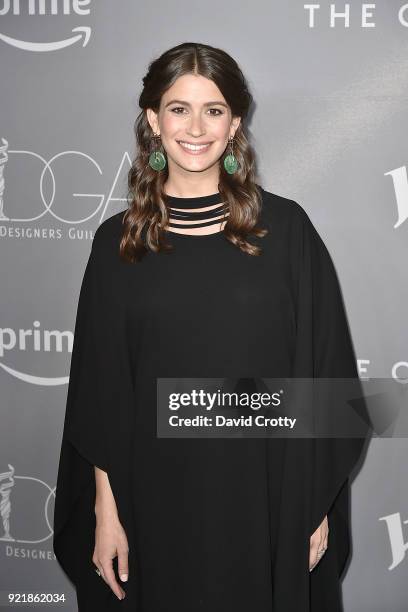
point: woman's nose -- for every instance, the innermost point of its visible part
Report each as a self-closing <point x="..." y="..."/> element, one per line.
<point x="196" y="127"/>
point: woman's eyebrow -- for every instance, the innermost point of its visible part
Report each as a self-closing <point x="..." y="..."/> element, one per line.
<point x="188" y="104"/>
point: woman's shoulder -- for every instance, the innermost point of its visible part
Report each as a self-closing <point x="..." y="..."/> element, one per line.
<point x="108" y="235"/>
<point x="278" y="208"/>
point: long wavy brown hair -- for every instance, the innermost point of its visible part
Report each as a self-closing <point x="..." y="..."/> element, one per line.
<point x="147" y="212"/>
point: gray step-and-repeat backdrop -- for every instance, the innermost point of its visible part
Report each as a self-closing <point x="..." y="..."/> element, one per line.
<point x="330" y="81"/>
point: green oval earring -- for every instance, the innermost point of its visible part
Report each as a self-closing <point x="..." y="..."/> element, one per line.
<point x="157" y="159"/>
<point x="230" y="161"/>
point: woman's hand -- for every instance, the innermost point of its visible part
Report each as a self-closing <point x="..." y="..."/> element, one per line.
<point x="111" y="541"/>
<point x="318" y="543"/>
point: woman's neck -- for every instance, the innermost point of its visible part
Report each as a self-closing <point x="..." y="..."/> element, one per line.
<point x="183" y="189"/>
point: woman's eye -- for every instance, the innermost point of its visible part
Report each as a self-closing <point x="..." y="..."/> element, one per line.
<point x="180" y="108"/>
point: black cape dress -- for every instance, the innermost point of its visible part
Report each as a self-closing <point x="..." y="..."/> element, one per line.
<point x="213" y="525"/>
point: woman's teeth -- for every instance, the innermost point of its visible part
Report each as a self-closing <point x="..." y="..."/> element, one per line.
<point x="194" y="148"/>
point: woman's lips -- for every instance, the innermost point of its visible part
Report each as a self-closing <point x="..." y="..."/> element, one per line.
<point x="194" y="151"/>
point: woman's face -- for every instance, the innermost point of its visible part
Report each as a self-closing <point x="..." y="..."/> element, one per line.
<point x="192" y="113"/>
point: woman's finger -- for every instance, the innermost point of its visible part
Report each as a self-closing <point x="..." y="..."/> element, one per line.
<point x="111" y="578"/>
<point x="314" y="546"/>
<point x="326" y="540"/>
<point x="123" y="566"/>
<point x="99" y="571"/>
<point x="317" y="544"/>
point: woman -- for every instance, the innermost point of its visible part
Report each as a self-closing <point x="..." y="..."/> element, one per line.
<point x="204" y="275"/>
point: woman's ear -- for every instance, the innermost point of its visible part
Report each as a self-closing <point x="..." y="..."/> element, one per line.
<point x="152" y="119"/>
<point x="235" y="124"/>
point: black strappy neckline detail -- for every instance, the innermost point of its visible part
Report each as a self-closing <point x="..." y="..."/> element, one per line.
<point x="194" y="202"/>
<point x="205" y="214"/>
<point x="193" y="218"/>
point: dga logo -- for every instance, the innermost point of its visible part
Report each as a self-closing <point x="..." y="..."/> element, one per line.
<point x="39" y="340"/>
<point x="102" y="200"/>
<point x="47" y="7"/>
<point x="396" y="535"/>
<point x="32" y="494"/>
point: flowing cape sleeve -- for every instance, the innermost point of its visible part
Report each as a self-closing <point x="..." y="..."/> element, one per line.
<point x="98" y="416"/>
<point x="314" y="473"/>
<point x="325" y="350"/>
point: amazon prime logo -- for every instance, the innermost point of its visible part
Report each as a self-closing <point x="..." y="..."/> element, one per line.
<point x="40" y="340"/>
<point x="45" y="8"/>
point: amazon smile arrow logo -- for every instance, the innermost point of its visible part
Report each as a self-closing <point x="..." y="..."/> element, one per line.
<point x="42" y="381"/>
<point x="84" y="32"/>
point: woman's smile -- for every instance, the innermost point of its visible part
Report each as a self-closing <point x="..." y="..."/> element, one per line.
<point x="194" y="149"/>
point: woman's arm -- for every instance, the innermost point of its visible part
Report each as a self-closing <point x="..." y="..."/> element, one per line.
<point x="105" y="505"/>
<point x="110" y="537"/>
